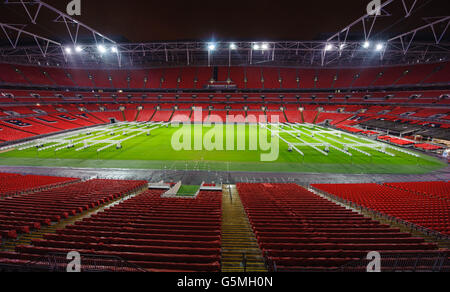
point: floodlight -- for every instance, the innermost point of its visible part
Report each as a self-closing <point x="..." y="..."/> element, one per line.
<point x="256" y="47"/>
<point x="379" y="47"/>
<point x="328" y="47"/>
<point x="366" y="45"/>
<point x="114" y="50"/>
<point x="78" y="49"/>
<point x="265" y="46"/>
<point x="211" y="47"/>
<point x="68" y="50"/>
<point x="101" y="49"/>
<point x="341" y="46"/>
<point x="233" y="46"/>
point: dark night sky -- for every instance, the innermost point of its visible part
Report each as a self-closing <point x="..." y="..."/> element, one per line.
<point x="229" y="20"/>
<point x="224" y="20"/>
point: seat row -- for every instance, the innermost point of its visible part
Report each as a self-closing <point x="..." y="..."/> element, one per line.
<point x="13" y="184"/>
<point x="154" y="233"/>
<point x="298" y="230"/>
<point x="21" y="214"/>
<point x="423" y="204"/>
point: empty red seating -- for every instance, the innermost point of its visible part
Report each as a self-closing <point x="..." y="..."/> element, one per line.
<point x="325" y="78"/>
<point x="35" y="75"/>
<point x="12" y="184"/>
<point x="80" y="78"/>
<point x="154" y="78"/>
<point x="171" y="76"/>
<point x="237" y="76"/>
<point x="394" y="140"/>
<point x="131" y="114"/>
<point x="293" y="116"/>
<point x="416" y="74"/>
<point x="426" y="211"/>
<point x="28" y="126"/>
<point x="218" y="117"/>
<point x="299" y="231"/>
<point x="309" y="116"/>
<point x="431" y="188"/>
<point x="181" y="116"/>
<point x="276" y="116"/>
<point x="138" y="79"/>
<point x="334" y="118"/>
<point x="307" y="78"/>
<point x="154" y="233"/>
<point x="425" y="146"/>
<point x="10" y="134"/>
<point x="366" y="77"/>
<point x="22" y="213"/>
<point x="145" y="115"/>
<point x="119" y="78"/>
<point x="204" y="76"/>
<point x="8" y="74"/>
<point x="289" y="78"/>
<point x="345" y="78"/>
<point x="187" y="78"/>
<point x="271" y="78"/>
<point x="249" y="77"/>
<point x="390" y="76"/>
<point x="107" y="116"/>
<point x="440" y="75"/>
<point x="350" y="129"/>
<point x="162" y="116"/>
<point x="59" y="76"/>
<point x="253" y="77"/>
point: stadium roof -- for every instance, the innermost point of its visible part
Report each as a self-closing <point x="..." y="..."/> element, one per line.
<point x="407" y="31"/>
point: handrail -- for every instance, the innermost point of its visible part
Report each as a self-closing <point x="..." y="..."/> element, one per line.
<point x="55" y="263"/>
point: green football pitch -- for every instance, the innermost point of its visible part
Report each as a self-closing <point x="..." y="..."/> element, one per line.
<point x="302" y="148"/>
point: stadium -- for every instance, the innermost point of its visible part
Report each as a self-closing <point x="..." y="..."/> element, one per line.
<point x="224" y="155"/>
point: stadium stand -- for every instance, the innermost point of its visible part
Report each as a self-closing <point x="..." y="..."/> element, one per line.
<point x="157" y="234"/>
<point x="14" y="184"/>
<point x="162" y="116"/>
<point x="425" y="211"/>
<point x="243" y="77"/>
<point x="43" y="207"/>
<point x="300" y="231"/>
<point x="430" y="188"/>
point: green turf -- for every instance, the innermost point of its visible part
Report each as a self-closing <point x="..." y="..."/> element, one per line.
<point x="187" y="191"/>
<point x="155" y="152"/>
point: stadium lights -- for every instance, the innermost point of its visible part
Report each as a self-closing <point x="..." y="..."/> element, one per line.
<point x="233" y="46"/>
<point x="328" y="47"/>
<point x="256" y="47"/>
<point x="366" y="45"/>
<point x="68" y="50"/>
<point x="101" y="49"/>
<point x="341" y="46"/>
<point x="114" y="50"/>
<point x="265" y="47"/>
<point x="78" y="49"/>
<point x="211" y="47"/>
<point x="379" y="47"/>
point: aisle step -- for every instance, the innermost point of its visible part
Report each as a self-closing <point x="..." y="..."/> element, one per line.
<point x="238" y="238"/>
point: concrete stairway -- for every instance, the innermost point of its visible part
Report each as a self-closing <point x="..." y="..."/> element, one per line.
<point x="238" y="239"/>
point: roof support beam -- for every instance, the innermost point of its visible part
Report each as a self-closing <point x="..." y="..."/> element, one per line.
<point x="61" y="17"/>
